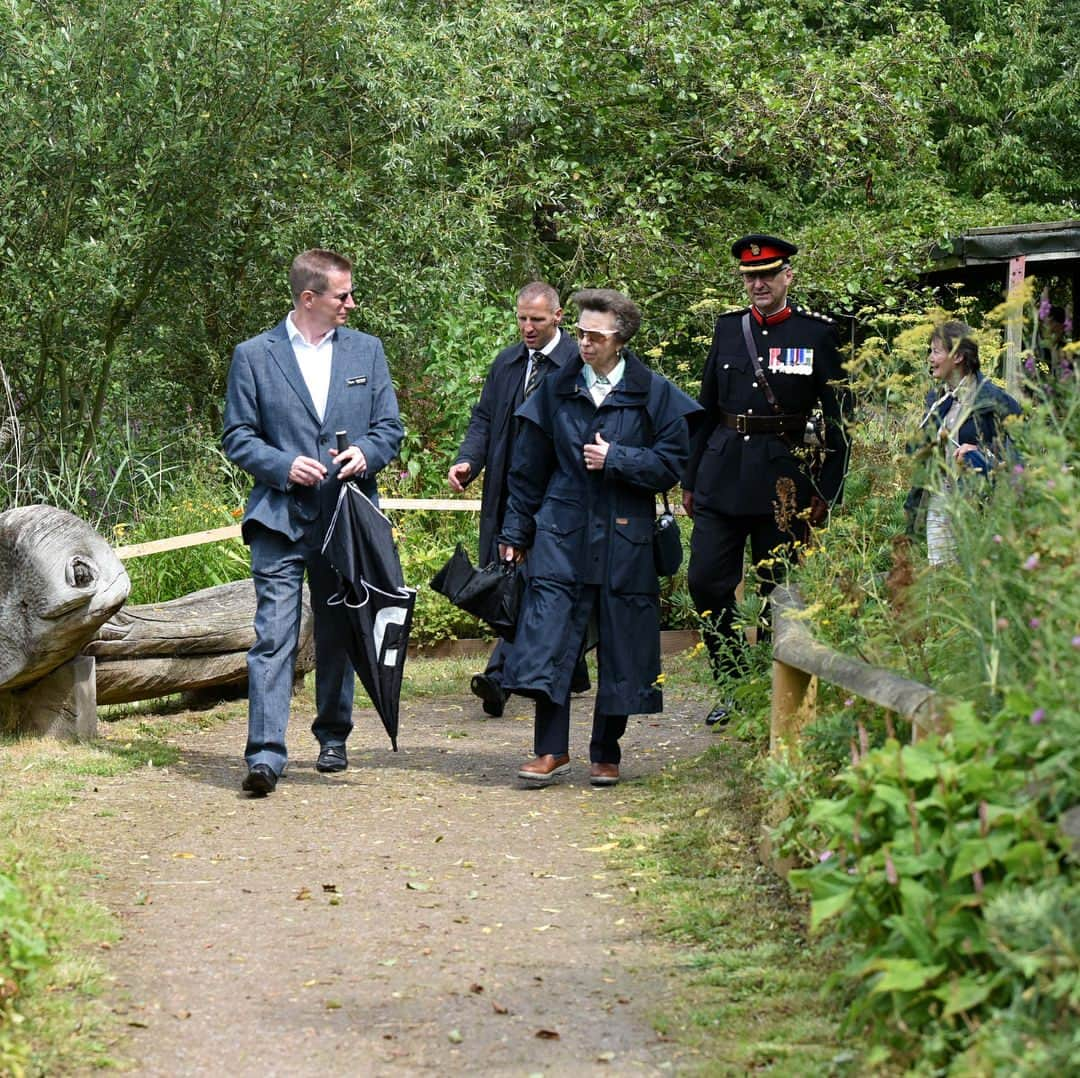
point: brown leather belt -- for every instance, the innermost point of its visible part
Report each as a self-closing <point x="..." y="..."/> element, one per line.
<point x="765" y="424"/>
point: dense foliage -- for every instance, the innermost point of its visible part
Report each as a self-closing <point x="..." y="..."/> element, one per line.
<point x="162" y="162"/>
<point x="946" y="866"/>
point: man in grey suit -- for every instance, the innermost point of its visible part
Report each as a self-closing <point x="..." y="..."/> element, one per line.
<point x="290" y="390"/>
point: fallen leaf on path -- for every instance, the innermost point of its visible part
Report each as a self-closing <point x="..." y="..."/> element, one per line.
<point x="602" y="848"/>
<point x="183" y="856"/>
<point x="498" y="1008"/>
<point x="605" y="1057"/>
<point x="543" y="928"/>
<point x="702" y="812"/>
<point x="303" y="894"/>
<point x="331" y="888"/>
<point x="333" y="1004"/>
<point x="454" y="1036"/>
<point x="547" y="1035"/>
<point x="410" y="886"/>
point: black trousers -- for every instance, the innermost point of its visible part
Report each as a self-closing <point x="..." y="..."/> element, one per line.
<point x="551" y="728"/>
<point x="551" y="732"/>
<point x="717" y="547"/>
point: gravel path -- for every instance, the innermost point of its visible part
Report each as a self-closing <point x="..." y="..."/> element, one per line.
<point x="420" y="913"/>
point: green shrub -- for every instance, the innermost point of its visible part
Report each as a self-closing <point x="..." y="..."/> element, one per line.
<point x="928" y="859"/>
<point x="941" y="864"/>
<point x="23" y="952"/>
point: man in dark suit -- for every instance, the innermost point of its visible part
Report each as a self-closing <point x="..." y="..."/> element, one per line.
<point x="514" y="375"/>
<point x="754" y="473"/>
<point x="290" y="390"/>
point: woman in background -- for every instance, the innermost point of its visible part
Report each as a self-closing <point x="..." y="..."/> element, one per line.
<point x="965" y="418"/>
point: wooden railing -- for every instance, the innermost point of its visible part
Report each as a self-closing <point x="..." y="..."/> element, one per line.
<point x="217" y="535"/>
<point x="799" y="661"/>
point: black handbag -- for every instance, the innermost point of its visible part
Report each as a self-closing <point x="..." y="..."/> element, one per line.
<point x="666" y="541"/>
<point x="492" y="593"/>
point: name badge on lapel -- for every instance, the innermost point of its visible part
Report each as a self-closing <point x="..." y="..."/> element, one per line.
<point x="791" y="360"/>
<point x="359" y="380"/>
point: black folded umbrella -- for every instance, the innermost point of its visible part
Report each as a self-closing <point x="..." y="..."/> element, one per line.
<point x="492" y="593"/>
<point x="360" y="545"/>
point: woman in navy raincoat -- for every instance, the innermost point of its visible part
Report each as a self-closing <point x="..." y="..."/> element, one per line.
<point x="596" y="443"/>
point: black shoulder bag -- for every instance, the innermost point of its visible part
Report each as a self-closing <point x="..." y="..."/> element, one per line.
<point x="666" y="541"/>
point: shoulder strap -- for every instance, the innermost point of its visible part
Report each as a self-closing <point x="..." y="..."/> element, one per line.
<point x="751" y="351"/>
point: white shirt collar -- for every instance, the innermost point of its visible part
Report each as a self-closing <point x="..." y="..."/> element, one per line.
<point x="549" y="347"/>
<point x="614" y="376"/>
<point x="296" y="336"/>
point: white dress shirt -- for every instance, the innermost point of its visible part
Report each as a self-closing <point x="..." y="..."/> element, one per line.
<point x="314" y="361"/>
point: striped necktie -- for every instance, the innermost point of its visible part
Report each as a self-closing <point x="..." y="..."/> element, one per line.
<point x="536" y="374"/>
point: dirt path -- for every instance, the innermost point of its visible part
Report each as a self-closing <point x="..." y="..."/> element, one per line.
<point x="421" y="913"/>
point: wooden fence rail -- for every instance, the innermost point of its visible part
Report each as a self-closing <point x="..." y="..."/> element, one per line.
<point x="217" y="535"/>
<point x="799" y="661"/>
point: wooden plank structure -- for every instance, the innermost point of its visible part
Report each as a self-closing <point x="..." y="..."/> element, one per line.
<point x="217" y="535"/>
<point x="799" y="661"/>
<point x="1006" y="255"/>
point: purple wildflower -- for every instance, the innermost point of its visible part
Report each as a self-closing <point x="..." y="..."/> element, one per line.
<point x="1032" y="562"/>
<point x="824" y="855"/>
<point x="1018" y="469"/>
<point x="1076" y="641"/>
<point x="1001" y="623"/>
<point x="998" y="539"/>
<point x="1038" y="716"/>
<point x="1034" y="623"/>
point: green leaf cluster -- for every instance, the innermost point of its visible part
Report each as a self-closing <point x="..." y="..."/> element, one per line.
<point x="945" y="865"/>
<point x="934" y="852"/>
<point x="161" y="163"/>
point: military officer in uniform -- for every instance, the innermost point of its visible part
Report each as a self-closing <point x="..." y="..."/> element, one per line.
<point x="754" y="473"/>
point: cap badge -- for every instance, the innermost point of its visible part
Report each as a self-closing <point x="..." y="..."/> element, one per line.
<point x="755" y="249"/>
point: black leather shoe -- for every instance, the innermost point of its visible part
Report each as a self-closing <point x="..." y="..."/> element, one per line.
<point x="260" y="780"/>
<point x="490" y="692"/>
<point x="331" y="758"/>
<point x="720" y="714"/>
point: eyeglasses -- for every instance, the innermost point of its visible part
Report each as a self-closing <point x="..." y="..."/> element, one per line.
<point x="341" y="297"/>
<point x="594" y="336"/>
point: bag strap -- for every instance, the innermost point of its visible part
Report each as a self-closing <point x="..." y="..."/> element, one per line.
<point x="751" y="351"/>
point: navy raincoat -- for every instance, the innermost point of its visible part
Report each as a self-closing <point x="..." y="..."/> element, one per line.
<point x="583" y="528"/>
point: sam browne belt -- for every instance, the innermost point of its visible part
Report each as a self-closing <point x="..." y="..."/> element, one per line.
<point x="766" y="424"/>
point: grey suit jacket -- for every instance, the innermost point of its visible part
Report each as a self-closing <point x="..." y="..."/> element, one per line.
<point x="270" y="420"/>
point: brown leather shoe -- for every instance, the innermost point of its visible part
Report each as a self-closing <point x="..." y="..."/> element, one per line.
<point x="544" y="769"/>
<point x="603" y="774"/>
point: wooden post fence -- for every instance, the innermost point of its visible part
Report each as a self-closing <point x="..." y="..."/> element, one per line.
<point x="799" y="661"/>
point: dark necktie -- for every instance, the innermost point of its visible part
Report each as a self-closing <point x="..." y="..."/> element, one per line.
<point x="536" y="374"/>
